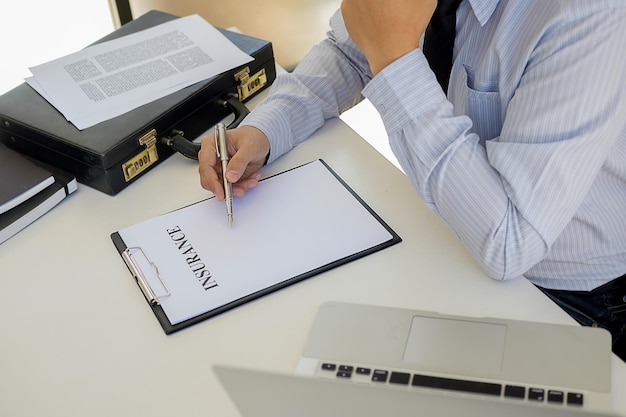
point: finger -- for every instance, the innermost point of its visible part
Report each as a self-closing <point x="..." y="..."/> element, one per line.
<point x="250" y="153"/>
<point x="238" y="164"/>
<point x="245" y="185"/>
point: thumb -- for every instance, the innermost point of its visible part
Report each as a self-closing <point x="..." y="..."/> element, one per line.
<point x="251" y="147"/>
<point x="238" y="160"/>
<point x="237" y="165"/>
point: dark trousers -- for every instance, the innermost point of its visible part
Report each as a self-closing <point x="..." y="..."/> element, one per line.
<point x="603" y="307"/>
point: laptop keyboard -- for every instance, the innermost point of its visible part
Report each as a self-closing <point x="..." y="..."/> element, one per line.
<point x="402" y="378"/>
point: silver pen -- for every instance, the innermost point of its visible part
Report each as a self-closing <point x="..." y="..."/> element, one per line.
<point x="222" y="153"/>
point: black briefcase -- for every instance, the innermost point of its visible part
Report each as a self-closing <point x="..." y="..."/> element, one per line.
<point x="111" y="155"/>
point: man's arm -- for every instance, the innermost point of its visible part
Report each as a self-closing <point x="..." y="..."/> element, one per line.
<point x="327" y="82"/>
<point x="510" y="199"/>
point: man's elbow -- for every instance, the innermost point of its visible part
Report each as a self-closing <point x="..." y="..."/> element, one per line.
<point x="500" y="272"/>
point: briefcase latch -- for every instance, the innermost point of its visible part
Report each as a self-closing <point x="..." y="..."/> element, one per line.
<point x="144" y="159"/>
<point x="248" y="84"/>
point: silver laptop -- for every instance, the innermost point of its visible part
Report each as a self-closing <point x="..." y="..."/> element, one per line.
<point x="509" y="361"/>
<point x="264" y="394"/>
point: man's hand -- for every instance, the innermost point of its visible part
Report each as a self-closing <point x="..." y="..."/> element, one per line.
<point x="385" y="30"/>
<point x="247" y="148"/>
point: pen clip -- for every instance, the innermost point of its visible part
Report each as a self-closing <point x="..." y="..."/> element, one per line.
<point x="220" y="142"/>
<point x="134" y="266"/>
<point x="217" y="145"/>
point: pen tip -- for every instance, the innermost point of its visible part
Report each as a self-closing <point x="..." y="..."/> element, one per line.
<point x="230" y="220"/>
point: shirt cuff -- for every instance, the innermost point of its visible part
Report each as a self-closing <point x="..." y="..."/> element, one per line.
<point x="275" y="127"/>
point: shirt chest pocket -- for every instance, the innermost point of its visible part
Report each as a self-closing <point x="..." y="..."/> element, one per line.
<point x="481" y="101"/>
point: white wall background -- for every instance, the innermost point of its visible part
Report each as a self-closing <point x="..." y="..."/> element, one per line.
<point x="36" y="31"/>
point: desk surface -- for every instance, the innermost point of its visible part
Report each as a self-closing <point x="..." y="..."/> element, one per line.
<point x="78" y="338"/>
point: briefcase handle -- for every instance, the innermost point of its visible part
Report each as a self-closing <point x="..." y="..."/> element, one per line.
<point x="190" y="149"/>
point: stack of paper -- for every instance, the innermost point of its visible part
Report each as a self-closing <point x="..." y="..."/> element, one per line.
<point x="111" y="78"/>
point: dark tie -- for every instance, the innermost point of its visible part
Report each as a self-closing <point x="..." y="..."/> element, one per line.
<point x="439" y="40"/>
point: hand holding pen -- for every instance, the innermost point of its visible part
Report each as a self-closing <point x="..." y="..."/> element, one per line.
<point x="245" y="149"/>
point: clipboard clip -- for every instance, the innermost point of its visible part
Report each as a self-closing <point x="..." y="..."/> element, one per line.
<point x="134" y="265"/>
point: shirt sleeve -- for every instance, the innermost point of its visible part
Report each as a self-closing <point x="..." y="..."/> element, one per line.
<point x="328" y="81"/>
<point x="510" y="197"/>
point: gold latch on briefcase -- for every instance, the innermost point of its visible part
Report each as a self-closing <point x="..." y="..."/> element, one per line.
<point x="247" y="85"/>
<point x="144" y="159"/>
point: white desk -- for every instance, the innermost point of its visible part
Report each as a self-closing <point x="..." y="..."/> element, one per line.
<point x="78" y="338"/>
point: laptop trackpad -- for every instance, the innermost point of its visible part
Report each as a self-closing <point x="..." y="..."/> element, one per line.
<point x="455" y="345"/>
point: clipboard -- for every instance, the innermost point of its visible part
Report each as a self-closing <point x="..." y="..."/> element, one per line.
<point x="191" y="265"/>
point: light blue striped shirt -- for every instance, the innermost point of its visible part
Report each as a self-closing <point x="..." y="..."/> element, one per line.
<point x="526" y="157"/>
